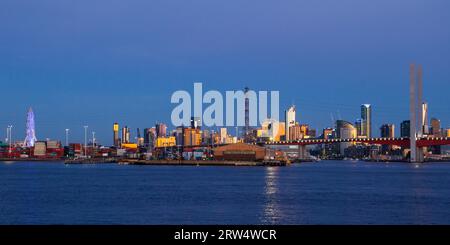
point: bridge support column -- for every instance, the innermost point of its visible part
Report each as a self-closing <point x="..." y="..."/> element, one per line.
<point x="417" y="155"/>
<point x="420" y="154"/>
<point x="302" y="152"/>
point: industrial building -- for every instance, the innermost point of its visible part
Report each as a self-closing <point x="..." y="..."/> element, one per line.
<point x="240" y="152"/>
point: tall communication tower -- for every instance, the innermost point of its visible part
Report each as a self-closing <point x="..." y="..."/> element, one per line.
<point x="247" y="111"/>
<point x="30" y="139"/>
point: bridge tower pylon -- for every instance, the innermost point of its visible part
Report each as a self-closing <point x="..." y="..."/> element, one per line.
<point x="415" y="112"/>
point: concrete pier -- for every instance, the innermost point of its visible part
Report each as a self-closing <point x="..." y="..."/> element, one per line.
<point x="198" y="163"/>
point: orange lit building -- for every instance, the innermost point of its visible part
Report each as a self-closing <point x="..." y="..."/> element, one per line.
<point x="129" y="146"/>
<point x="165" y="141"/>
<point x="192" y="137"/>
<point x="304" y="129"/>
<point x="295" y="132"/>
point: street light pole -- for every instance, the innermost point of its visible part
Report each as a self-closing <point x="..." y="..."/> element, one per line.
<point x="85" y="140"/>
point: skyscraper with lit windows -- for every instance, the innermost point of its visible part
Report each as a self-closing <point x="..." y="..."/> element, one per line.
<point x="436" y="127"/>
<point x="405" y="128"/>
<point x="366" y="116"/>
<point x="116" y="135"/>
<point x="161" y="130"/>
<point x="289" y="121"/>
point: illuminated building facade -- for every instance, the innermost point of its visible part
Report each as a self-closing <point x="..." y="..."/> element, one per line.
<point x="295" y="132"/>
<point x="387" y="131"/>
<point x="424" y="119"/>
<point x="125" y="135"/>
<point x="366" y="116"/>
<point x="223" y="135"/>
<point x="196" y="122"/>
<point x="327" y="133"/>
<point x="289" y="121"/>
<point x="346" y="131"/>
<point x="116" y="140"/>
<point x="436" y="127"/>
<point x="161" y="130"/>
<point x="192" y="137"/>
<point x="149" y="137"/>
<point x="165" y="141"/>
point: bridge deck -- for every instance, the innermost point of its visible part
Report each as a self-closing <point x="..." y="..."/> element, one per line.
<point x="404" y="142"/>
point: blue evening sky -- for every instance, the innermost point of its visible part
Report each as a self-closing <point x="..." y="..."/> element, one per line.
<point x="100" y="61"/>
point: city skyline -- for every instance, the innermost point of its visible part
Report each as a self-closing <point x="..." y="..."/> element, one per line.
<point x="80" y="71"/>
<point x="127" y="132"/>
<point x="223" y="120"/>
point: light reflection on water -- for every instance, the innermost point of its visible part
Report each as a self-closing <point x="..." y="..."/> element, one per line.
<point x="272" y="209"/>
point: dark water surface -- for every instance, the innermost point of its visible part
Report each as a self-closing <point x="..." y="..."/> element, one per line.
<point x="329" y="192"/>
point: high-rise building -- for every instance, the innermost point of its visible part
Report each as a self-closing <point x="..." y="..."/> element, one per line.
<point x="263" y="134"/>
<point x="295" y="132"/>
<point x="436" y="127"/>
<point x="149" y="137"/>
<point x="327" y="133"/>
<point x="223" y="135"/>
<point x="424" y="119"/>
<point x="161" y="130"/>
<point x="281" y="130"/>
<point x="289" y="120"/>
<point x="405" y="128"/>
<point x="276" y="130"/>
<point x="387" y="131"/>
<point x="345" y="130"/>
<point x="312" y="133"/>
<point x="359" y="127"/>
<point x="140" y="139"/>
<point x="303" y="128"/>
<point x="436" y="131"/>
<point x="125" y="135"/>
<point x="30" y="138"/>
<point x="179" y="135"/>
<point x="196" y="122"/>
<point x="272" y="130"/>
<point x="192" y="137"/>
<point x="366" y="116"/>
<point x="206" y="137"/>
<point x="116" y="135"/>
<point x="215" y="137"/>
<point x="342" y="124"/>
